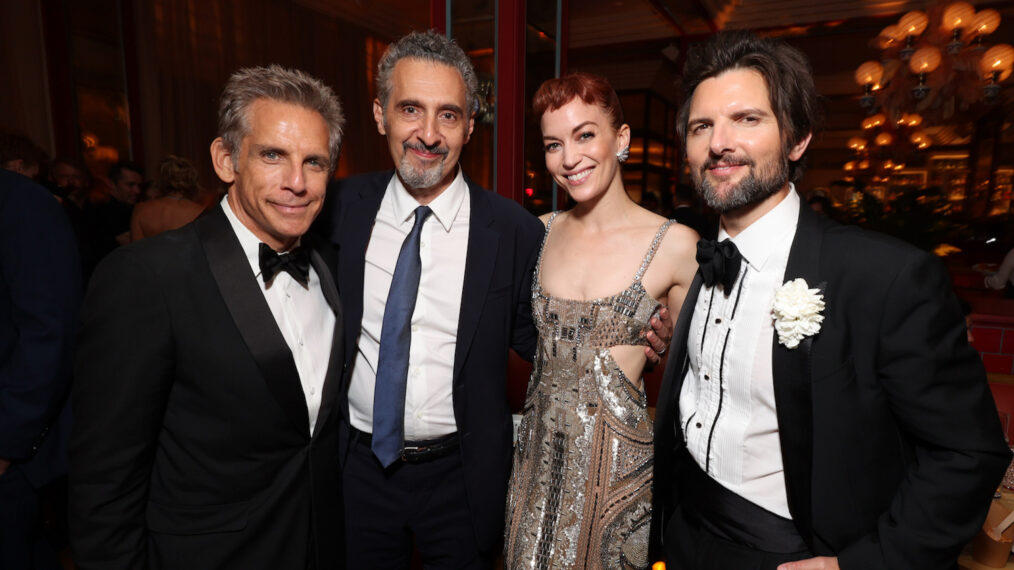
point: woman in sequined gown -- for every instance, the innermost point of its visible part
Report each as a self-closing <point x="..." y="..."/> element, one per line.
<point x="580" y="492"/>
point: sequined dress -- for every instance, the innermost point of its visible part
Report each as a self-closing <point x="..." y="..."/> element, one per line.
<point x="580" y="492"/>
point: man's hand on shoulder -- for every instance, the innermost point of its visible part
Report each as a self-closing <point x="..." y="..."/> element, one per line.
<point x="659" y="336"/>
<point x="818" y="563"/>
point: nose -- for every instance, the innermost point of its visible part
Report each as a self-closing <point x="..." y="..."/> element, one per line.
<point x="429" y="133"/>
<point x="294" y="178"/>
<point x="721" y="139"/>
<point x="570" y="157"/>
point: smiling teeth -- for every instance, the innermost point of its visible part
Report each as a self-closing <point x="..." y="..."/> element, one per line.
<point x="579" y="176"/>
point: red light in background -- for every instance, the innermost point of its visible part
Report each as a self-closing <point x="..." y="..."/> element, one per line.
<point x="529" y="192"/>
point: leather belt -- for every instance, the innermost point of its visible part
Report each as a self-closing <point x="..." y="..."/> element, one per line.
<point x="417" y="451"/>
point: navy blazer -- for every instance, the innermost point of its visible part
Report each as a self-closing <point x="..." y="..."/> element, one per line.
<point x="890" y="439"/>
<point x="503" y="242"/>
<point x="40" y="294"/>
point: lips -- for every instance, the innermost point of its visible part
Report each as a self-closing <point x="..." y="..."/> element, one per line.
<point x="425" y="153"/>
<point x="579" y="177"/>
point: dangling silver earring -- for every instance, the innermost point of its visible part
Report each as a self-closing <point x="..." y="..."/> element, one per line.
<point x="623" y="155"/>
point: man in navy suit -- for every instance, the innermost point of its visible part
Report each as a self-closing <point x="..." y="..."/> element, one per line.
<point x="445" y="490"/>
<point x="40" y="293"/>
<point x="209" y="361"/>
<point x="822" y="408"/>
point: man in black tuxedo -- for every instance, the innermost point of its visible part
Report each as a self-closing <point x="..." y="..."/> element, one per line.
<point x="210" y="358"/>
<point x="840" y="420"/>
<point x="440" y="482"/>
<point x="40" y="294"/>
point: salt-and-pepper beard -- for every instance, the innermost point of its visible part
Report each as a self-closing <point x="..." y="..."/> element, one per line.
<point x="419" y="178"/>
<point x="757" y="185"/>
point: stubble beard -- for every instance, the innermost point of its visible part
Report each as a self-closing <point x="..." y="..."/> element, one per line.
<point x="758" y="184"/>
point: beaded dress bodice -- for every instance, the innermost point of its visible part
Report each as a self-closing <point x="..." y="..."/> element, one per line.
<point x="580" y="494"/>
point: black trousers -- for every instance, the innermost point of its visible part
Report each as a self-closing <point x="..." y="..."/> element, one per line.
<point x="689" y="547"/>
<point x="389" y="510"/>
<point x="23" y="546"/>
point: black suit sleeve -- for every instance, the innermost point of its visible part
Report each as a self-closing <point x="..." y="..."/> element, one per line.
<point x="935" y="386"/>
<point x="124" y="371"/>
<point x="524" y="338"/>
<point x="40" y="281"/>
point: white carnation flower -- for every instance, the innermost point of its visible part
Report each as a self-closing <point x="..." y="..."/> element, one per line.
<point x="796" y="311"/>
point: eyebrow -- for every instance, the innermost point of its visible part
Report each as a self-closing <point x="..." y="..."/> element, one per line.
<point x="442" y="107"/>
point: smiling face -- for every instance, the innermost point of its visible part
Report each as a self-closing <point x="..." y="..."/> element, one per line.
<point x="733" y="143"/>
<point x="426" y="123"/>
<point x="281" y="171"/>
<point x="581" y="146"/>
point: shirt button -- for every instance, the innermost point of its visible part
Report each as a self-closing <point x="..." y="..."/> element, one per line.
<point x="313" y="390"/>
<point x="300" y="341"/>
<point x="415" y="328"/>
<point x="415" y="371"/>
<point x="718" y="321"/>
<point x="706" y="377"/>
<point x="698" y="424"/>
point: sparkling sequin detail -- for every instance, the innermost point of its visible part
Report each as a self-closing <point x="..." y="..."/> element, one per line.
<point x="580" y="493"/>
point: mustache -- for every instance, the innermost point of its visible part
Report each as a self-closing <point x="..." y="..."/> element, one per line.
<point x="725" y="160"/>
<point x="435" y="149"/>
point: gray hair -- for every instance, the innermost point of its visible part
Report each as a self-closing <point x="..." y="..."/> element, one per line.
<point x="277" y="83"/>
<point x="428" y="46"/>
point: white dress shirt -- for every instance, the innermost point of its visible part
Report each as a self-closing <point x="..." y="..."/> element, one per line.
<point x="302" y="314"/>
<point x="429" y="405"/>
<point x="727" y="404"/>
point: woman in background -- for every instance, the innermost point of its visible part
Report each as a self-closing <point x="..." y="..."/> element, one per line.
<point x="177" y="204"/>
<point x="580" y="493"/>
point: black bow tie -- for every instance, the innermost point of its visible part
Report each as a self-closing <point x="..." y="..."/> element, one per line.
<point x="296" y="262"/>
<point x="719" y="262"/>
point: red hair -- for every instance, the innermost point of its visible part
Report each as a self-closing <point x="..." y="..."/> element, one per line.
<point x="589" y="88"/>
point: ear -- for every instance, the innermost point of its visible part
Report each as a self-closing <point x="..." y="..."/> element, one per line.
<point x="221" y="159"/>
<point x="471" y="125"/>
<point x="797" y="151"/>
<point x="622" y="137"/>
<point x="378" y="116"/>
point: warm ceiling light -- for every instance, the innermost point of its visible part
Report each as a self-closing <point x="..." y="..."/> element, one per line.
<point x="890" y="36"/>
<point x="913" y="23"/>
<point x="869" y="73"/>
<point x="850" y="165"/>
<point x="874" y="121"/>
<point x="857" y="143"/>
<point x="883" y="139"/>
<point x="997" y="58"/>
<point x="924" y="60"/>
<point x="957" y="15"/>
<point x="984" y="22"/>
<point x="910" y="120"/>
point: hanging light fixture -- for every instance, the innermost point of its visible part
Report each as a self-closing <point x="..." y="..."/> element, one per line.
<point x="923" y="62"/>
<point x="957" y="17"/>
<point x="996" y="65"/>
<point x="868" y="76"/>
<point x="984" y="22"/>
<point x="912" y="25"/>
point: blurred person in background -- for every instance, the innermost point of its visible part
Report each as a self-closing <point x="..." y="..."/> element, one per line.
<point x="176" y="204"/>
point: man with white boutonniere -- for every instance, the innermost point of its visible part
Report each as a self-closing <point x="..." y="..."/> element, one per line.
<point x="822" y="407"/>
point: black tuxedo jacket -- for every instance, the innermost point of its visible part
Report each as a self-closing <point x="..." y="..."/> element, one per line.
<point x="191" y="447"/>
<point x="40" y="294"/>
<point x="496" y="315"/>
<point x="890" y="439"/>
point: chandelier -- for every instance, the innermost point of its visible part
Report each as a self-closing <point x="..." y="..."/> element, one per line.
<point x="935" y="64"/>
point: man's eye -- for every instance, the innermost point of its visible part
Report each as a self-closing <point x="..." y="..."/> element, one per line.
<point x="270" y="155"/>
<point x="698" y="128"/>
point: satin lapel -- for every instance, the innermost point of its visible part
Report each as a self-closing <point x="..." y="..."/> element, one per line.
<point x="356" y="226"/>
<point x="480" y="260"/>
<point x="332" y="379"/>
<point x="675" y="368"/>
<point x="792" y="381"/>
<point x="252" y="315"/>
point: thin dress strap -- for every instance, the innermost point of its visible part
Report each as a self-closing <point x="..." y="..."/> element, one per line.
<point x="651" y="250"/>
<point x="545" y="238"/>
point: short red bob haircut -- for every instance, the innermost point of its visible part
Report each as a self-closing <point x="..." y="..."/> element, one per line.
<point x="592" y="89"/>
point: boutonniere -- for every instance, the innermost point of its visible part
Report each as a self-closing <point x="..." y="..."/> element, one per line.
<point x="797" y="312"/>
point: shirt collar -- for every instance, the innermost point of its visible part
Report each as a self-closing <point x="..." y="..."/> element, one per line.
<point x="766" y="236"/>
<point x="247" y="240"/>
<point x="445" y="206"/>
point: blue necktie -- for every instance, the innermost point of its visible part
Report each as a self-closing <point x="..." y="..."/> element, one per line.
<point x="395" y="341"/>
